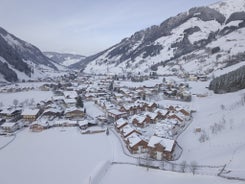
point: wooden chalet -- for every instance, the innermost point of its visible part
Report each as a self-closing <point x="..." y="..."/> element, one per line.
<point x="161" y="148"/>
<point x="135" y="144"/>
<point x="127" y="130"/>
<point x="175" y="116"/>
<point x="141" y="121"/>
<point x="114" y="115"/>
<point x="120" y="123"/>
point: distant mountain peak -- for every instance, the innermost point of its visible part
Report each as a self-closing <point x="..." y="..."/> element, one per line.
<point x="65" y="59"/>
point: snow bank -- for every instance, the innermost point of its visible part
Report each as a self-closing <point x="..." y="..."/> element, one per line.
<point x="98" y="172"/>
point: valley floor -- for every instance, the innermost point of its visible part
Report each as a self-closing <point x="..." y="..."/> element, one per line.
<point x="63" y="155"/>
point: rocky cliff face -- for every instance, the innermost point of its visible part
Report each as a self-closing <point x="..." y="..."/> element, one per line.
<point x="201" y="40"/>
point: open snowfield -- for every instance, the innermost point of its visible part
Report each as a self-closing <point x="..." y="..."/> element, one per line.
<point x="121" y="174"/>
<point x="63" y="155"/>
<point x="225" y="145"/>
<point x="53" y="156"/>
<point x="37" y="96"/>
<point x="93" y="110"/>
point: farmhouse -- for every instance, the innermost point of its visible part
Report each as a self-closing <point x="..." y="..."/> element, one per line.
<point x="74" y="112"/>
<point x="53" y="112"/>
<point x="30" y="114"/>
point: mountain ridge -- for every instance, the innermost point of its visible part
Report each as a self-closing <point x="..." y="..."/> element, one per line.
<point x="20" y="60"/>
<point x="190" y="38"/>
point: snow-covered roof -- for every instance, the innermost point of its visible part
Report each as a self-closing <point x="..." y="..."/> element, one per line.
<point x="139" y="118"/>
<point x="74" y="109"/>
<point x="166" y="143"/>
<point x="71" y="94"/>
<point x="82" y="123"/>
<point x="61" y="122"/>
<point x="9" y="111"/>
<point x="133" y="139"/>
<point x="41" y="122"/>
<point x="120" y="122"/>
<point x="53" y="110"/>
<point x="116" y="112"/>
<point x="8" y="125"/>
<point x="30" y="112"/>
<point x="70" y="101"/>
<point x="127" y="129"/>
<point x="162" y="111"/>
<point x="152" y="115"/>
<point x="58" y="97"/>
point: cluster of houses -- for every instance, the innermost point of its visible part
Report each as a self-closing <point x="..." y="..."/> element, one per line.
<point x="148" y="129"/>
<point x="143" y="125"/>
<point x="194" y="76"/>
<point x="178" y="91"/>
<point x="57" y="111"/>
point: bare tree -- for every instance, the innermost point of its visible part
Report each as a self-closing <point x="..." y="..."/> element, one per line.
<point x="15" y="102"/>
<point x="183" y="165"/>
<point x="193" y="167"/>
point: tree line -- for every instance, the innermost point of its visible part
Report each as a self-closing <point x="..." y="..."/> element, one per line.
<point x="230" y="82"/>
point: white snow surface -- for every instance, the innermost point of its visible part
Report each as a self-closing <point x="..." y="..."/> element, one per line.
<point x="37" y="96"/>
<point x="226" y="7"/>
<point x="122" y="174"/>
<point x="52" y="156"/>
<point x="227" y="145"/>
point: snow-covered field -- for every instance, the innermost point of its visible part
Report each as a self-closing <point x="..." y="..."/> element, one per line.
<point x="122" y="174"/>
<point x="53" y="156"/>
<point x="221" y="119"/>
<point x="37" y="96"/>
<point x="63" y="155"/>
<point x="93" y="110"/>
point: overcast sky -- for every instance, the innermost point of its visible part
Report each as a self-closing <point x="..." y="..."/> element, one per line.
<point x="85" y="26"/>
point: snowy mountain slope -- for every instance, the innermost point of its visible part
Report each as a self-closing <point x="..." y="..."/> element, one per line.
<point x="21" y="60"/>
<point x="64" y="58"/>
<point x="202" y="40"/>
<point x="221" y="120"/>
